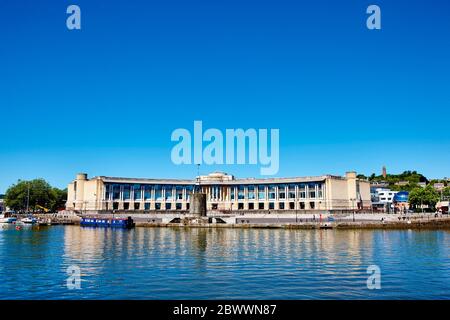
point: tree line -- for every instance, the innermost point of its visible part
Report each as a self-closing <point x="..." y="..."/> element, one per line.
<point x="35" y="195"/>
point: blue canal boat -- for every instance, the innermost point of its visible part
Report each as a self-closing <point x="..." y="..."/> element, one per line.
<point x="108" y="223"/>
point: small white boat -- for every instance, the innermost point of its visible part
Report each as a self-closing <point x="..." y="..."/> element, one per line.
<point x="29" y="220"/>
<point x="4" y="219"/>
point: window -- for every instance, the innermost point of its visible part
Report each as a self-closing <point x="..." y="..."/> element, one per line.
<point x="179" y="192"/>
<point x="158" y="206"/>
<point x="312" y="205"/>
<point x="291" y="205"/>
<point x="188" y="191"/>
<point x="126" y="192"/>
<point x="232" y="195"/>
<point x="261" y="206"/>
<point x="107" y="191"/>
<point x="115" y="205"/>
<point x="261" y="192"/>
<point x="251" y="192"/>
<point x="241" y="192"/>
<point x="215" y="192"/>
<point x="302" y="190"/>
<point x="251" y="206"/>
<point x="291" y="191"/>
<point x="158" y="192"/>
<point x="116" y="191"/>
<point x="187" y="206"/>
<point x="147" y="192"/>
<point x="272" y="192"/>
<point x="178" y="206"/>
<point x="168" y="206"/>
<point x="147" y="206"/>
<point x="281" y="205"/>
<point x="126" y="206"/>
<point x="137" y="192"/>
<point x="240" y="206"/>
<point x="282" y="191"/>
<point x="320" y="190"/>
<point x="136" y="206"/>
<point x="169" y="191"/>
<point x="312" y="190"/>
<point x="302" y="205"/>
<point x="271" y="205"/>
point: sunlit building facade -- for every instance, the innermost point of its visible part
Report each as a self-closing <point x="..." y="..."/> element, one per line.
<point x="224" y="193"/>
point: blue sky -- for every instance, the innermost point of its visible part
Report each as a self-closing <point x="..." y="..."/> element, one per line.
<point x="105" y="99"/>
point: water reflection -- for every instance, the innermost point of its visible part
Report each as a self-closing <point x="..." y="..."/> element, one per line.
<point x="177" y="263"/>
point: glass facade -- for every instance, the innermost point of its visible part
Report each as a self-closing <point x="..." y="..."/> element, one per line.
<point x="215" y="192"/>
<point x="168" y="192"/>
<point x="107" y="191"/>
<point x="189" y="190"/>
<point x="291" y="191"/>
<point x="179" y="192"/>
<point x="137" y="194"/>
<point x="116" y="191"/>
<point x="126" y="192"/>
<point x="282" y="191"/>
<point x="148" y="192"/>
<point x="251" y="192"/>
<point x="272" y="191"/>
<point x="302" y="191"/>
<point x="311" y="190"/>
<point x="241" y="193"/>
<point x="261" y="192"/>
<point x="158" y="192"/>
<point x="281" y="196"/>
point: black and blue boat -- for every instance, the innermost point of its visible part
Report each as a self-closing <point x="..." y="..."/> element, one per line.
<point x="108" y="223"/>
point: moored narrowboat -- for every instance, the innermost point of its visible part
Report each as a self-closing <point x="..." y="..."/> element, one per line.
<point x="108" y="223"/>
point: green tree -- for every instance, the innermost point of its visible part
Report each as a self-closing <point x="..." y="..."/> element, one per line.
<point x="446" y="193"/>
<point x="36" y="192"/>
<point x="60" y="198"/>
<point x="426" y="196"/>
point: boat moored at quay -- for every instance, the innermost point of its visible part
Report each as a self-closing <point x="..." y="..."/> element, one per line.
<point x="120" y="223"/>
<point x="5" y="218"/>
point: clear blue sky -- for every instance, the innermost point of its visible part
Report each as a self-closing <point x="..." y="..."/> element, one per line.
<point x="105" y="99"/>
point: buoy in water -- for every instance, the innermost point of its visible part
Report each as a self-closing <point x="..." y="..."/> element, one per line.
<point x="18" y="228"/>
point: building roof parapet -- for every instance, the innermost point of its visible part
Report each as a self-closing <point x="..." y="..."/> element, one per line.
<point x="218" y="181"/>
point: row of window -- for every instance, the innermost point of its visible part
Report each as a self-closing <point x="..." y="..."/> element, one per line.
<point x="281" y="206"/>
<point x="158" y="206"/>
<point x="146" y="192"/>
<point x="250" y="192"/>
<point x="178" y="206"/>
<point x="285" y="191"/>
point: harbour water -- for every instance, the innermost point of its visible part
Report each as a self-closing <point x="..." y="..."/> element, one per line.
<point x="202" y="263"/>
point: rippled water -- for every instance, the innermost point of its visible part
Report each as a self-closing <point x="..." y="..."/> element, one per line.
<point x="197" y="263"/>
